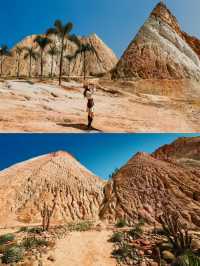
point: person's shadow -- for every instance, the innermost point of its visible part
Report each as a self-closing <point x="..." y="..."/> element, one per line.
<point x="79" y="126"/>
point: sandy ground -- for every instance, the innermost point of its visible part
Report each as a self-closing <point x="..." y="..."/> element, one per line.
<point x="84" y="249"/>
<point x="39" y="107"/>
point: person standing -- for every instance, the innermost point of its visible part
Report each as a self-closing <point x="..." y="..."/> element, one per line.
<point x="89" y="90"/>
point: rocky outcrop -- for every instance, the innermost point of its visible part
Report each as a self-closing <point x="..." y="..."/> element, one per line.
<point x="58" y="177"/>
<point x="185" y="151"/>
<point x="146" y="186"/>
<point x="99" y="61"/>
<point x="193" y="42"/>
<point x="181" y="148"/>
<point x="160" y="51"/>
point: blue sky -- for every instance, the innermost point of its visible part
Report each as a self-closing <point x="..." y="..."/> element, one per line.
<point x="101" y="153"/>
<point x="115" y="21"/>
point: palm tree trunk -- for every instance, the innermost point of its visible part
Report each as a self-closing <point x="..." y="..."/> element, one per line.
<point x="84" y="64"/>
<point x="69" y="69"/>
<point x="52" y="66"/>
<point x="1" y="65"/>
<point x="1" y="69"/>
<point x="61" y="61"/>
<point x="30" y="66"/>
<point x="41" y="64"/>
<point x="73" y="68"/>
<point x="18" y="66"/>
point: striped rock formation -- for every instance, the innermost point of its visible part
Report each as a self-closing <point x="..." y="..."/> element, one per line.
<point x="160" y="50"/>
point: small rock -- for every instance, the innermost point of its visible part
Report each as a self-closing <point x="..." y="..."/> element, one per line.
<point x="145" y="242"/>
<point x="153" y="263"/>
<point x="140" y="253"/>
<point x="168" y="256"/>
<point x="51" y="258"/>
<point x="40" y="263"/>
<point x="196" y="244"/>
<point x="149" y="251"/>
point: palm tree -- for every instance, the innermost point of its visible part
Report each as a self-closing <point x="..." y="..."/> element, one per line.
<point x="42" y="43"/>
<point x="83" y="48"/>
<point x="4" y="52"/>
<point x="70" y="59"/>
<point x="31" y="54"/>
<point x="53" y="51"/>
<point x="19" y="51"/>
<point x="63" y="33"/>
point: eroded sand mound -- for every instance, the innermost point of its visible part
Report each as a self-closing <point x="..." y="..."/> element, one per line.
<point x="146" y="186"/>
<point x="58" y="177"/>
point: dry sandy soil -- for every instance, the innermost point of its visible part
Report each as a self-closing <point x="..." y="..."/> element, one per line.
<point x="90" y="248"/>
<point x="143" y="106"/>
<point x="84" y="248"/>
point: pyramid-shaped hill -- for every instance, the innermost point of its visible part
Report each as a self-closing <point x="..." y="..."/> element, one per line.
<point x="59" y="177"/>
<point x="146" y="186"/>
<point x="101" y="59"/>
<point x="160" y="50"/>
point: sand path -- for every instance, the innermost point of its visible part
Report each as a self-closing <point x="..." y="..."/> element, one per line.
<point x="84" y="249"/>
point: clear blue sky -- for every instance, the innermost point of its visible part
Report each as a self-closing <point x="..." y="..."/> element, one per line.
<point x="116" y="22"/>
<point x="101" y="153"/>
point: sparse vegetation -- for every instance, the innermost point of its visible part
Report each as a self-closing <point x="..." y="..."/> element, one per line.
<point x="117" y="237"/>
<point x="125" y="252"/>
<point x="47" y="212"/>
<point x="172" y="246"/>
<point x="121" y="223"/>
<point x="180" y="240"/>
<point x="81" y="226"/>
<point x="113" y="173"/>
<point x="34" y="230"/>
<point x="4" y="239"/>
<point x="188" y="259"/>
<point x="13" y="254"/>
<point x="33" y="242"/>
<point x="136" y="231"/>
<point x="177" y="235"/>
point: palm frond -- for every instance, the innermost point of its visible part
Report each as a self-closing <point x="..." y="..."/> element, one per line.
<point x="42" y="41"/>
<point x="51" y="31"/>
<point x="19" y="50"/>
<point x="73" y="38"/>
<point x="58" y="26"/>
<point x="68" y="28"/>
<point x="35" y="56"/>
<point x="26" y="56"/>
<point x="4" y="50"/>
<point x="70" y="57"/>
<point x="53" y="50"/>
<point x="188" y="259"/>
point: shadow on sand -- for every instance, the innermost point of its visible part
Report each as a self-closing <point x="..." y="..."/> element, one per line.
<point x="79" y="126"/>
